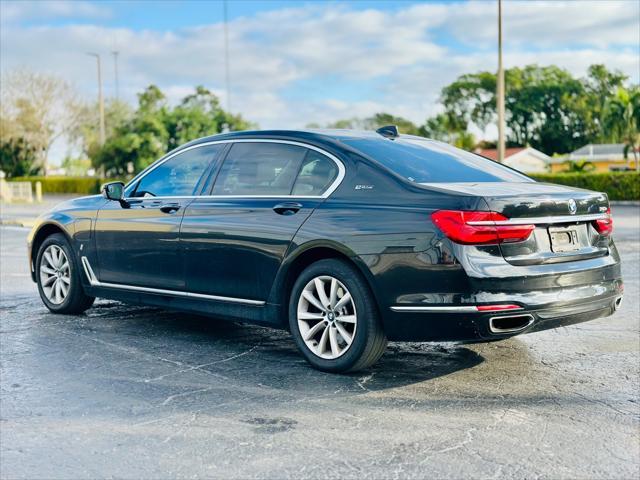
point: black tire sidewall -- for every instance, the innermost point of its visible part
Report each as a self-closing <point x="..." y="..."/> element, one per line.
<point x="60" y="241"/>
<point x="366" y="311"/>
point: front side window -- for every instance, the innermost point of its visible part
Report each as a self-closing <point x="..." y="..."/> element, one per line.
<point x="316" y="175"/>
<point x="259" y="168"/>
<point x="178" y="176"/>
<point x="425" y="161"/>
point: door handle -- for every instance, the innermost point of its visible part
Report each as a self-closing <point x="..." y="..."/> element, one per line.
<point x="287" y="208"/>
<point x="170" y="207"/>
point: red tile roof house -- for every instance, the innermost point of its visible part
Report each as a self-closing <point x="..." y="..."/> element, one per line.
<point x="525" y="159"/>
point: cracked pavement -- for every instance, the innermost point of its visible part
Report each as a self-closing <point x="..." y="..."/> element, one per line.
<point x="135" y="392"/>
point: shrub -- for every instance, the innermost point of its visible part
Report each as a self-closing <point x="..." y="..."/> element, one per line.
<point x="617" y="185"/>
<point x="80" y="185"/>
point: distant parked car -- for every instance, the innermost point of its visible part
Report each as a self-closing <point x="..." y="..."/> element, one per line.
<point x="345" y="238"/>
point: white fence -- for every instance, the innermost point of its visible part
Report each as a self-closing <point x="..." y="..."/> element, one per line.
<point x="15" y="191"/>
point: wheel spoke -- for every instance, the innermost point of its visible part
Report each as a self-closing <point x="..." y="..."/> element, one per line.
<point x="63" y="289"/>
<point x="55" y="254"/>
<point x="56" y="288"/>
<point x="322" y="344"/>
<point x="47" y="270"/>
<point x="333" y="341"/>
<point x="314" y="330"/>
<point x="343" y="301"/>
<point x="66" y="280"/>
<point x="49" y="259"/>
<point x="48" y="281"/>
<point x="346" y="318"/>
<point x="319" y="283"/>
<point x="313" y="300"/>
<point x="65" y="266"/>
<point x="333" y="295"/>
<point x="310" y="316"/>
<point x="343" y="333"/>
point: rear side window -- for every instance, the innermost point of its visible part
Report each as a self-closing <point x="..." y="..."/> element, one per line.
<point x="178" y="176"/>
<point x="426" y="161"/>
<point x="259" y="169"/>
<point x="316" y="175"/>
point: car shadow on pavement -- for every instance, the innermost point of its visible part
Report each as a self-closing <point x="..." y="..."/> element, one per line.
<point x="214" y="350"/>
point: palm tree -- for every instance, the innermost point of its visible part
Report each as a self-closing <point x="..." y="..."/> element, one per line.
<point x="622" y="118"/>
<point x="579" y="166"/>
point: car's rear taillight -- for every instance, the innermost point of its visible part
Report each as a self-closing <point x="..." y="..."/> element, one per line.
<point x="604" y="226"/>
<point x="479" y="227"/>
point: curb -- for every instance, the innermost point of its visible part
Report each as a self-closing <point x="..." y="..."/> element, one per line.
<point x="634" y="203"/>
<point x="18" y="222"/>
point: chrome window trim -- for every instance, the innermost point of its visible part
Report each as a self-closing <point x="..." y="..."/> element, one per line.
<point x="336" y="183"/>
<point x="93" y="280"/>
<point x="544" y="220"/>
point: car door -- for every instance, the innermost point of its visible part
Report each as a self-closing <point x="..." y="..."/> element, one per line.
<point x="235" y="239"/>
<point x="138" y="244"/>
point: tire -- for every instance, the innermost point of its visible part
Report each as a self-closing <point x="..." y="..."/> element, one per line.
<point x="55" y="264"/>
<point x="360" y="319"/>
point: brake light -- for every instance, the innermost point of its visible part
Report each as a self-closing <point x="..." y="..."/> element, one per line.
<point x="604" y="226"/>
<point x="479" y="227"/>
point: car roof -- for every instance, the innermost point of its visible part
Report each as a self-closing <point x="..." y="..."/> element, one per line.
<point x="331" y="136"/>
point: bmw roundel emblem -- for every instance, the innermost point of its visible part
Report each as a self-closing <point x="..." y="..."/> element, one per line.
<point x="573" y="208"/>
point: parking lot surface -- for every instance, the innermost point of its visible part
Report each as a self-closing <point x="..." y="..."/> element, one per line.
<point x="134" y="392"/>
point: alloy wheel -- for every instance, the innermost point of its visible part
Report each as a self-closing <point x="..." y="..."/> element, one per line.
<point x="55" y="276"/>
<point x="327" y="317"/>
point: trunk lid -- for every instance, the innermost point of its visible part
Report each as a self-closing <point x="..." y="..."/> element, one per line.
<point x="563" y="218"/>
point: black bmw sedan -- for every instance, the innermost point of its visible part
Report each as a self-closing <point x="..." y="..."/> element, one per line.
<point x="345" y="238"/>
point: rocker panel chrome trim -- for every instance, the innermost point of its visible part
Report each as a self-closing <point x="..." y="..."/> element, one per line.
<point x="93" y="280"/>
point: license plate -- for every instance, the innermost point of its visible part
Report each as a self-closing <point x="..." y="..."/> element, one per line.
<point x="564" y="239"/>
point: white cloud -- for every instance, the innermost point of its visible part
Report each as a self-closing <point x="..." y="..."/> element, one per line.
<point x="400" y="58"/>
<point x="17" y="10"/>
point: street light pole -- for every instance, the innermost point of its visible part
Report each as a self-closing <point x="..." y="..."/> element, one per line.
<point x="100" y="99"/>
<point x="115" y="68"/>
<point x="226" y="55"/>
<point x="500" y="92"/>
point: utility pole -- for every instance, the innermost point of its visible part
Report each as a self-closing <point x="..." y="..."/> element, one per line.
<point x="226" y="56"/>
<point x="100" y="99"/>
<point x="500" y="92"/>
<point x="115" y="70"/>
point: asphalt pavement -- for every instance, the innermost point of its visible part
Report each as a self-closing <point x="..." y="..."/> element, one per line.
<point x="135" y="392"/>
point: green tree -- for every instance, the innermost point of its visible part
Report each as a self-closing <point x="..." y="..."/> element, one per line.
<point x="155" y="128"/>
<point x="600" y="85"/>
<point x="374" y="122"/>
<point x="199" y="115"/>
<point x="448" y="128"/>
<point x="621" y="119"/>
<point x="541" y="106"/>
<point x="18" y="158"/>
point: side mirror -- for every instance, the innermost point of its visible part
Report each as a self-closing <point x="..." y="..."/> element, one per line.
<point x="115" y="191"/>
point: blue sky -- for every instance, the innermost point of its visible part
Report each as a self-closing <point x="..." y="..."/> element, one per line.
<point x="293" y="62"/>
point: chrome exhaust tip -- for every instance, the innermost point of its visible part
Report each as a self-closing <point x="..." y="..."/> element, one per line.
<point x="617" y="303"/>
<point x="510" y="323"/>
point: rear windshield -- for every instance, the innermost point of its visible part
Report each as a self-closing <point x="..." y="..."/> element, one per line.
<point x="426" y="161"/>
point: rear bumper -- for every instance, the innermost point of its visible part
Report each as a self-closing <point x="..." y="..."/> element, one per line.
<point x="567" y="306"/>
